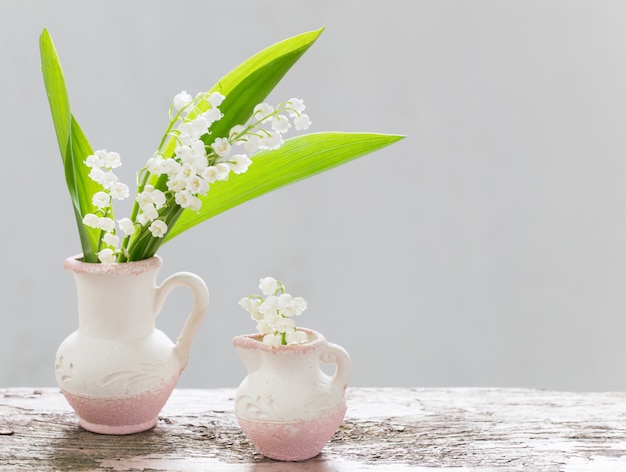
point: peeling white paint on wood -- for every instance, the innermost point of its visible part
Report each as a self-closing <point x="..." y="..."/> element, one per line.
<point x="394" y="429"/>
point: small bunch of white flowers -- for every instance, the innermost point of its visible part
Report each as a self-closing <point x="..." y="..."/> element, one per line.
<point x="274" y="313"/>
<point x="196" y="165"/>
<point x="187" y="171"/>
<point x="102" y="164"/>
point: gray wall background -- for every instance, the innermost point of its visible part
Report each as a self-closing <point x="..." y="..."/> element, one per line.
<point x="486" y="249"/>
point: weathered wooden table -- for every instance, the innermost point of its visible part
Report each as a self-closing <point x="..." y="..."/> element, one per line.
<point x="384" y="430"/>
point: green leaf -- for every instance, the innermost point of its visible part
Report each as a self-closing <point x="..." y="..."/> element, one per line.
<point x="73" y="145"/>
<point x="56" y="91"/>
<point x="85" y="189"/>
<point x="296" y="159"/>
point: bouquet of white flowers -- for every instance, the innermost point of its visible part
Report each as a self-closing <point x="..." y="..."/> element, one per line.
<point x="221" y="148"/>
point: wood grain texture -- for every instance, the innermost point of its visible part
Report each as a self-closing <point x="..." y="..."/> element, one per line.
<point x="385" y="429"/>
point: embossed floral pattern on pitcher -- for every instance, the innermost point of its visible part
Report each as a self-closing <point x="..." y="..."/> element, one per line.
<point x="117" y="370"/>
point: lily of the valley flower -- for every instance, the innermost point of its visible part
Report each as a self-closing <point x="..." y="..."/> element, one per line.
<point x="127" y="226"/>
<point x="106" y="256"/>
<point x="158" y="228"/>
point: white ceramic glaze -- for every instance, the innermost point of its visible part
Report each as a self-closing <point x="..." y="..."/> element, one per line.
<point x="117" y="370"/>
<point x="287" y="405"/>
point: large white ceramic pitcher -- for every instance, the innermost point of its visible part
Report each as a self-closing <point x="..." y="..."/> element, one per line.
<point x="117" y="370"/>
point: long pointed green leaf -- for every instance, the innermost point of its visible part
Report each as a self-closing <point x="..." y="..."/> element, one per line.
<point x="251" y="82"/>
<point x="296" y="159"/>
<point x="73" y="144"/>
<point x="296" y="45"/>
<point x="56" y="91"/>
<point x="85" y="189"/>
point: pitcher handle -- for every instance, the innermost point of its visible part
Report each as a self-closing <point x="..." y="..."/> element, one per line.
<point x="198" y="310"/>
<point x="335" y="354"/>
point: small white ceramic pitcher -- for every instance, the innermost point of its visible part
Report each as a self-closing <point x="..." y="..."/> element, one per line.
<point x="287" y="406"/>
<point x="117" y="370"/>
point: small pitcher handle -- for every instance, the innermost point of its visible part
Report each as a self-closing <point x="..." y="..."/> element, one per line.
<point x="198" y="310"/>
<point x="335" y="354"/>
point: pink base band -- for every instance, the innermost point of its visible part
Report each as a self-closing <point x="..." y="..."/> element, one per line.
<point x="293" y="440"/>
<point x="124" y="415"/>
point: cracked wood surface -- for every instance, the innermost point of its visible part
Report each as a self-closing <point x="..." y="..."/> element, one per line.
<point x="391" y="429"/>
